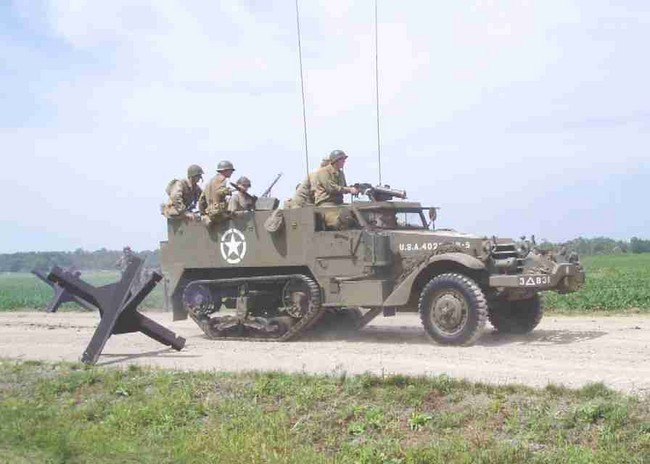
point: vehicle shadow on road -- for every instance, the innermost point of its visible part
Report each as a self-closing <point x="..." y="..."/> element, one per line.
<point x="539" y="337"/>
<point x="489" y="337"/>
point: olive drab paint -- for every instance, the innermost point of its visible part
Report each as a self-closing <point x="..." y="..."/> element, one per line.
<point x="381" y="263"/>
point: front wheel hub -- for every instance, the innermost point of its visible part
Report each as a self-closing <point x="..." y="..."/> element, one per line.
<point x="449" y="312"/>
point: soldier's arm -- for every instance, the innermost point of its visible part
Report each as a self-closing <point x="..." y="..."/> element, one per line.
<point x="328" y="183"/>
<point x="331" y="186"/>
<point x="195" y="199"/>
<point x="222" y="192"/>
<point x="233" y="204"/>
<point x="176" y="198"/>
<point x="202" y="203"/>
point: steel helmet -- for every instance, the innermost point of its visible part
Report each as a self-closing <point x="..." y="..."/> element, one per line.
<point x="194" y="170"/>
<point x="224" y="166"/>
<point x="245" y="181"/>
<point x="337" y="155"/>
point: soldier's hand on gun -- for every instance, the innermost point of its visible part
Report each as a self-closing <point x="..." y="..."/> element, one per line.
<point x="353" y="190"/>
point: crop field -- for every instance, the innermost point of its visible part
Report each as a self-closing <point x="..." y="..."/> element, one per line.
<point x="615" y="283"/>
<point x="25" y="291"/>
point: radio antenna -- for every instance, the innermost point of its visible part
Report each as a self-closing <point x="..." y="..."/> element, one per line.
<point x="302" y="89"/>
<point x="377" y="94"/>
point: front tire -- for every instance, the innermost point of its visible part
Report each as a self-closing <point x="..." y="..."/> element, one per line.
<point x="453" y="309"/>
<point x="516" y="317"/>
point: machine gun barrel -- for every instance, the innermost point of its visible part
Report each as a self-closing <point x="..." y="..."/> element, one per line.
<point x="389" y="192"/>
<point x="243" y="192"/>
<point x="267" y="192"/>
<point x="379" y="193"/>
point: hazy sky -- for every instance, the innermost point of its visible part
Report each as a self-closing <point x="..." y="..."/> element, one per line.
<point x="515" y="117"/>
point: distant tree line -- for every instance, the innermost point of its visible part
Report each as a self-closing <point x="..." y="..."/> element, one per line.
<point x="101" y="259"/>
<point x="104" y="259"/>
<point x="604" y="246"/>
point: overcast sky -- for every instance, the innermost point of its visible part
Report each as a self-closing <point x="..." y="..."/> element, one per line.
<point x="515" y="117"/>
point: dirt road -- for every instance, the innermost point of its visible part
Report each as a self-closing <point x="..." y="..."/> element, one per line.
<point x="563" y="350"/>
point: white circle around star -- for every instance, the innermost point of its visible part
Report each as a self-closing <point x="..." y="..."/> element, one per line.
<point x="233" y="246"/>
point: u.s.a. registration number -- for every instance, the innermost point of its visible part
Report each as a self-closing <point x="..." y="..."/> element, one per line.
<point x="431" y="246"/>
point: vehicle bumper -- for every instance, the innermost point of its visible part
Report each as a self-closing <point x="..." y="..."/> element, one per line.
<point x="564" y="278"/>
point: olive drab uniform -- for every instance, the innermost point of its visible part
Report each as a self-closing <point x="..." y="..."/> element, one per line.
<point x="183" y="198"/>
<point x="240" y="202"/>
<point x="213" y="202"/>
<point x="329" y="188"/>
<point x="305" y="191"/>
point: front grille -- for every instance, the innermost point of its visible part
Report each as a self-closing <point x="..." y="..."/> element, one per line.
<point x="506" y="251"/>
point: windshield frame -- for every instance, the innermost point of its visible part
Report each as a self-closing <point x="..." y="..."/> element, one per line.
<point x="359" y="211"/>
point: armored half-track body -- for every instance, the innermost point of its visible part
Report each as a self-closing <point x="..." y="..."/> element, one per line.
<point x="275" y="274"/>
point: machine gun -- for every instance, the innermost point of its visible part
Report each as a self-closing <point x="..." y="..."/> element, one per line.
<point x="267" y="192"/>
<point x="248" y="196"/>
<point x="379" y="193"/>
<point x="264" y="202"/>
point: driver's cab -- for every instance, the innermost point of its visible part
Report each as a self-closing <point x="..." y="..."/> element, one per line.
<point x="390" y="215"/>
<point x="386" y="215"/>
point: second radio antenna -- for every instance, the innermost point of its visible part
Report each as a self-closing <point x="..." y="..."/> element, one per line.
<point x="377" y="94"/>
<point x="302" y="88"/>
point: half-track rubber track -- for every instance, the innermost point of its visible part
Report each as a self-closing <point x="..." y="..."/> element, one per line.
<point x="256" y="328"/>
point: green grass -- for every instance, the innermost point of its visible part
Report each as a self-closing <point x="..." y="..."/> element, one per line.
<point x="615" y="283"/>
<point x="26" y="291"/>
<point x="76" y="414"/>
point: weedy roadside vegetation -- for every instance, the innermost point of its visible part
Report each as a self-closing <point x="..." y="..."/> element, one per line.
<point x="73" y="413"/>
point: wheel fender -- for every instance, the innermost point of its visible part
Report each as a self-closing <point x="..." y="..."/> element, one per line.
<point x="401" y="293"/>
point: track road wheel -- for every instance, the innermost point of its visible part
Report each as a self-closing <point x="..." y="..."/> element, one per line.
<point x="516" y="317"/>
<point x="453" y="309"/>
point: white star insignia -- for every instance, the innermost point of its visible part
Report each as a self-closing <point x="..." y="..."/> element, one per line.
<point x="232" y="245"/>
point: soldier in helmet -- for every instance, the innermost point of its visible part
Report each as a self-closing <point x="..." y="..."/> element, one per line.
<point x="305" y="190"/>
<point x="240" y="201"/>
<point x="329" y="186"/>
<point x="213" y="203"/>
<point x="183" y="194"/>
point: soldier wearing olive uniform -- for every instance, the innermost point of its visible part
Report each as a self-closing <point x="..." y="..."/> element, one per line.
<point x="330" y="186"/>
<point x="183" y="194"/>
<point x="213" y="203"/>
<point x="238" y="200"/>
<point x="305" y="192"/>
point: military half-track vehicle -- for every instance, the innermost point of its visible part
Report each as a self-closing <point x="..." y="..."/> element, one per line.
<point x="273" y="274"/>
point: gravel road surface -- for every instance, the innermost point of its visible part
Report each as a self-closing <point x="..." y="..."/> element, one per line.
<point x="571" y="351"/>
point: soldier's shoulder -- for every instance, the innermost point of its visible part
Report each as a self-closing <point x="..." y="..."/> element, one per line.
<point x="214" y="181"/>
<point x="171" y="185"/>
<point x="322" y="173"/>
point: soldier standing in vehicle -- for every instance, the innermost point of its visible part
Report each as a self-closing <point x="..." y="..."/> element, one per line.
<point x="330" y="186"/>
<point x="241" y="201"/>
<point x="213" y="203"/>
<point x="183" y="194"/>
<point x="304" y="191"/>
